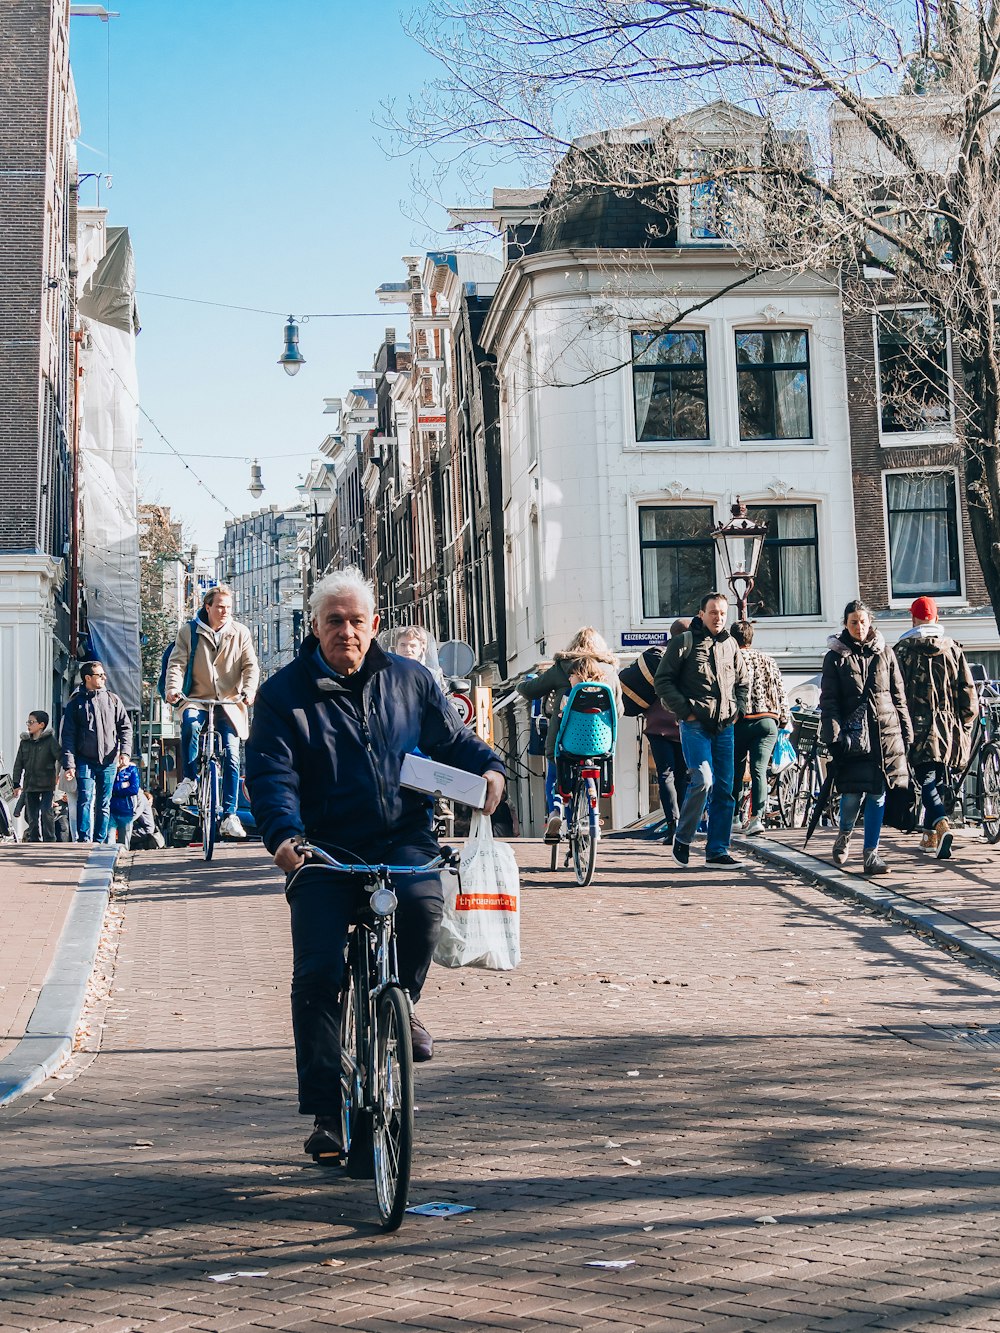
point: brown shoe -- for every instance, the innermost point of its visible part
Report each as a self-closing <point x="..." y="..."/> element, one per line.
<point x="423" y="1042"/>
<point x="943" y="834"/>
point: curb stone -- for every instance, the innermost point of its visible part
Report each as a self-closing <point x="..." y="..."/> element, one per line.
<point x="945" y="928"/>
<point x="48" y="1038"/>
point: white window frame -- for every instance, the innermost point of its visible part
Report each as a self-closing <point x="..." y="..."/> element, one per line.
<point x="954" y="600"/>
<point x="825" y="574"/>
<point x="757" y="324"/>
<point x="662" y="500"/>
<point x="712" y="388"/>
<point x="912" y="438"/>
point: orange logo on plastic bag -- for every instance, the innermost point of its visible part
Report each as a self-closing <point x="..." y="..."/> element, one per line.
<point x="485" y="902"/>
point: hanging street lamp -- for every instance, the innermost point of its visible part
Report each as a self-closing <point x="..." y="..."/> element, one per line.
<point x="291" y="358"/>
<point x="256" y="487"/>
<point x="740" y="543"/>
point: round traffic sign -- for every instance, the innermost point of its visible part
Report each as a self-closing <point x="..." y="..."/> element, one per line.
<point x="462" y="705"/>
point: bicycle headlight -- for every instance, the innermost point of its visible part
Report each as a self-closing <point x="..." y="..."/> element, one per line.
<point x="383" y="902"/>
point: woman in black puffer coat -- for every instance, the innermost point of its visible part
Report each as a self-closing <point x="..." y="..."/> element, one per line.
<point x="870" y="756"/>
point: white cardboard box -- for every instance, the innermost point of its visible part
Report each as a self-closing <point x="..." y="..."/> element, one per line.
<point x="454" y="784"/>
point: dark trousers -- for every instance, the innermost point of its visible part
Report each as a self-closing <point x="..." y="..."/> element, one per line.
<point x="41" y="821"/>
<point x="929" y="775"/>
<point x="671" y="774"/>
<point x="323" y="906"/>
<point x="754" y="736"/>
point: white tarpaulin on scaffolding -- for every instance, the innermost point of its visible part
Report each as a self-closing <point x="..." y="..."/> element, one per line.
<point x="109" y="555"/>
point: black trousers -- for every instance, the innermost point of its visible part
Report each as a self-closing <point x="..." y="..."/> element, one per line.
<point x="41" y="820"/>
<point x="323" y="906"/>
<point x="671" y="774"/>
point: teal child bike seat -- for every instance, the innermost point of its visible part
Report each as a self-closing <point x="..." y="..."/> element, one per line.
<point x="588" y="725"/>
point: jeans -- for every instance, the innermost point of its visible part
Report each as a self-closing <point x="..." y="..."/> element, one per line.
<point x="192" y="723"/>
<point x="323" y="905"/>
<point x="93" y="788"/>
<point x="123" y="828"/>
<point x="929" y="775"/>
<point x="850" y="804"/>
<point x="754" y="736"/>
<point x="671" y="775"/>
<point x="709" y="757"/>
<point x="41" y="821"/>
<point x="550" y="786"/>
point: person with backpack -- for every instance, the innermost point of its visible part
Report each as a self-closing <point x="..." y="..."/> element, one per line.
<point x="865" y="724"/>
<point x="213" y="658"/>
<point x="663" y="735"/>
<point x="554" y="682"/>
<point x="36" y="770"/>
<point x="941" y="696"/>
<point x="703" y="679"/>
<point x="124" y="802"/>
<point x="757" y="730"/>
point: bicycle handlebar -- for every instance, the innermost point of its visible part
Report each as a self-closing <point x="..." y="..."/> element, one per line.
<point x="204" y="703"/>
<point x="448" y="857"/>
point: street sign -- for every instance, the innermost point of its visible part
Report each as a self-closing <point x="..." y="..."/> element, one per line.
<point x="644" y="638"/>
<point x="462" y="705"/>
<point x="456" y="657"/>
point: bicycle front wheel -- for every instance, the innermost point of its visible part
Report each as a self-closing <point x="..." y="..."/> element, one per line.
<point x="989" y="791"/>
<point x="583" y="837"/>
<point x="209" y="808"/>
<point x="784" y="793"/>
<point x="392" y="1098"/>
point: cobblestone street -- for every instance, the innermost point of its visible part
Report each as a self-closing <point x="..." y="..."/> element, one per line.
<point x="736" y="1086"/>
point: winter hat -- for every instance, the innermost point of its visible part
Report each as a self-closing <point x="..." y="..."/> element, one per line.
<point x="924" y="608"/>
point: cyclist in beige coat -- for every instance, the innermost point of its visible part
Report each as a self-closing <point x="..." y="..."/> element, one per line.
<point x="225" y="668"/>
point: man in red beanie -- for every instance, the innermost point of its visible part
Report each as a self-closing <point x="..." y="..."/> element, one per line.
<point x="943" y="704"/>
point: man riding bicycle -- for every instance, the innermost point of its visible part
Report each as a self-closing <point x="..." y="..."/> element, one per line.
<point x="323" y="761"/>
<point x="224" y="667"/>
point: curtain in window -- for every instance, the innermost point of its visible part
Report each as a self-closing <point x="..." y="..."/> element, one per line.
<point x="643" y="395"/>
<point x="799" y="594"/>
<point x="791" y="387"/>
<point x="919" y="545"/>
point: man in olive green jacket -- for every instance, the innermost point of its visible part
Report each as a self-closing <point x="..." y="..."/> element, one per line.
<point x="941" y="696"/>
<point x="703" y="679"/>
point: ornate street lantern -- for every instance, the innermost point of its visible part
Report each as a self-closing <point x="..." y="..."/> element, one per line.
<point x="740" y="543"/>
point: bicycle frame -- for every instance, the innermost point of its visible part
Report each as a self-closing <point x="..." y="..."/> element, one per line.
<point x="376" y="1066"/>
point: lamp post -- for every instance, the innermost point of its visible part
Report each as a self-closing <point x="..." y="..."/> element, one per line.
<point x="740" y="543"/>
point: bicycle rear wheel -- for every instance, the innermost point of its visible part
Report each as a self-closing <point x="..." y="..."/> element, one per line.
<point x="392" y="1098"/>
<point x="582" y="837"/>
<point x="989" y="791"/>
<point x="784" y="795"/>
<point x="209" y="802"/>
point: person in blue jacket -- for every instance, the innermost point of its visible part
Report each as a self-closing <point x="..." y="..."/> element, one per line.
<point x="124" y="802"/>
<point x="322" y="763"/>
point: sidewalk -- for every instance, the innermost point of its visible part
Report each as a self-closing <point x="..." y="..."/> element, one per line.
<point x="51" y="906"/>
<point x="956" y="900"/>
<point x="718" y="1088"/>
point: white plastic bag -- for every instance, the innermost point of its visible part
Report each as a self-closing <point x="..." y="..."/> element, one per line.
<point x="481" y="925"/>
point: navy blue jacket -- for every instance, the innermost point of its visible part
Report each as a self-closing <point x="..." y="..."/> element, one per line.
<point x="323" y="760"/>
<point x="95" y="727"/>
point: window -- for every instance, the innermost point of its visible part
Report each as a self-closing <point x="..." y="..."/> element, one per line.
<point x="708" y="199"/>
<point x="923" y="534"/>
<point x="670" y="383"/>
<point x="678" y="558"/>
<point x="772" y="379"/>
<point x="913" y="372"/>
<point x="787" y="582"/>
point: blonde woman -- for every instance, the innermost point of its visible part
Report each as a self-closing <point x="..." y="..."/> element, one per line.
<point x="588" y="651"/>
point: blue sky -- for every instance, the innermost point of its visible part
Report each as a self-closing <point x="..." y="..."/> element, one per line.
<point x="241" y="142"/>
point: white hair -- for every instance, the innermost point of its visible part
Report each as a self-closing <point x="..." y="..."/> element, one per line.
<point x="339" y="583"/>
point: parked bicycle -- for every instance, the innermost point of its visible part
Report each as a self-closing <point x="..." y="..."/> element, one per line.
<point x="971" y="795"/>
<point x="809" y="771"/>
<point x="376" y="1053"/>
<point x="781" y="786"/>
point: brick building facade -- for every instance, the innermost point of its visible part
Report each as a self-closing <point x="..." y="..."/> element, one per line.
<point x="38" y="124"/>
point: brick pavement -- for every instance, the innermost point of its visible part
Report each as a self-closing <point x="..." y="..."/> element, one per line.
<point x="733" y="1037"/>
<point x="964" y="887"/>
<point x="38" y="883"/>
